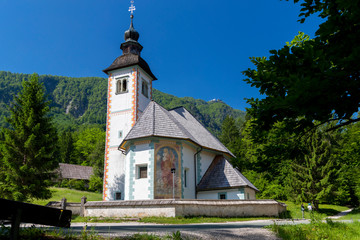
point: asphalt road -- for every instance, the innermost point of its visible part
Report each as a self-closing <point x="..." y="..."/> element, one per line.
<point x="246" y="230"/>
<point x="233" y="230"/>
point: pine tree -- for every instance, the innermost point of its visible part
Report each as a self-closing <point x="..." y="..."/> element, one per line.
<point x="313" y="174"/>
<point x="29" y="150"/>
<point x="230" y="134"/>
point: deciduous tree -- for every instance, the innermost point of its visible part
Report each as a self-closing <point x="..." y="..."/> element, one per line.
<point x="317" y="79"/>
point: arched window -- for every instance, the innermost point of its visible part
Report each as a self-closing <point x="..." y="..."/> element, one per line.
<point x="121" y="86"/>
<point x="145" y="88"/>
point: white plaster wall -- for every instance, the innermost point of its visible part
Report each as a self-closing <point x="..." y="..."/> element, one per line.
<point x="127" y="176"/>
<point x="206" y="160"/>
<point x="141" y="186"/>
<point x="144" y="101"/>
<point x="124" y="100"/>
<point x="232" y="194"/>
<point x="169" y="208"/>
<point x="188" y="162"/>
<point x="114" y="127"/>
<point x="132" y="211"/>
<point x="116" y="174"/>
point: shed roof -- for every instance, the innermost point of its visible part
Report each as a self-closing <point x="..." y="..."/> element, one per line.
<point x="221" y="175"/>
<point x="176" y="123"/>
<point x="72" y="171"/>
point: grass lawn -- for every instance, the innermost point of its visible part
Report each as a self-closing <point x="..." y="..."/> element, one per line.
<point x="325" y="210"/>
<point x="319" y="230"/>
<point x="71" y="195"/>
<point x="354" y="214"/>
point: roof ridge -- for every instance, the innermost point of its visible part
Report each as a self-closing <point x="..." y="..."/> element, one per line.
<point x="176" y="122"/>
<point x="218" y="141"/>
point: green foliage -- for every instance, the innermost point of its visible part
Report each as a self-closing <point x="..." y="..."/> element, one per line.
<point x="89" y="145"/>
<point x="329" y="230"/>
<point x="316" y="79"/>
<point x="77" y="184"/>
<point x="79" y="101"/>
<point x="96" y="184"/>
<point x="313" y="172"/>
<point x="29" y="150"/>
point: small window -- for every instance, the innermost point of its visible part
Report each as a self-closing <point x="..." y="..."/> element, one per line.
<point x="185" y="177"/>
<point x="118" y="196"/>
<point x="222" y="195"/>
<point x="145" y="88"/>
<point x="248" y="196"/>
<point x="121" y="86"/>
<point x="120" y="134"/>
<point x="142" y="171"/>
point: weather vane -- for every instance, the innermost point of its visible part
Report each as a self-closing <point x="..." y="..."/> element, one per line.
<point x="132" y="7"/>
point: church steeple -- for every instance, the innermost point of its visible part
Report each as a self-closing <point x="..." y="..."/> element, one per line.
<point x="131" y="50"/>
<point x="131" y="36"/>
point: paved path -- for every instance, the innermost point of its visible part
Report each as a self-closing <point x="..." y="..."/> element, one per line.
<point x="252" y="230"/>
<point x="341" y="214"/>
<point x="245" y="230"/>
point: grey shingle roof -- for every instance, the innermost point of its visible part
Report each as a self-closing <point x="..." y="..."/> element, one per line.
<point x="221" y="174"/>
<point x="127" y="60"/>
<point x="176" y="123"/>
<point x="71" y="171"/>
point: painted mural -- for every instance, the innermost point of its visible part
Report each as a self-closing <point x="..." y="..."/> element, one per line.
<point x="167" y="157"/>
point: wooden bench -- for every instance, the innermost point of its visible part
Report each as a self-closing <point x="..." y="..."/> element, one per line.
<point x="18" y="212"/>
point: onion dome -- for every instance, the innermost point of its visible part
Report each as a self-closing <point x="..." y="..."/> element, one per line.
<point x="131" y="33"/>
<point x="131" y="44"/>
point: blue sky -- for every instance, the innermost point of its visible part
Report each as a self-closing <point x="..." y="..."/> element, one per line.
<point x="196" y="48"/>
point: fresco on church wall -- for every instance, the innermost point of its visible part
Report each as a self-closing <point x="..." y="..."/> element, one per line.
<point x="167" y="157"/>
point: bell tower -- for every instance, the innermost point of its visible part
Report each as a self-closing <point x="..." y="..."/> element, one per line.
<point x="129" y="92"/>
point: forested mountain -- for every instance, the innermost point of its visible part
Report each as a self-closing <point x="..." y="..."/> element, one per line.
<point x="81" y="101"/>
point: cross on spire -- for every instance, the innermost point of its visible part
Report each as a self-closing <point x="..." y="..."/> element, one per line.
<point x="132" y="7"/>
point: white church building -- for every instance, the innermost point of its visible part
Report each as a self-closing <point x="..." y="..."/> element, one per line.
<point x="154" y="153"/>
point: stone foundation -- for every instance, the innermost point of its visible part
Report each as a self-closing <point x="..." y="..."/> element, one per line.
<point x="175" y="208"/>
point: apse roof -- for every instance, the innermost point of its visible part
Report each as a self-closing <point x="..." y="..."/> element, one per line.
<point x="221" y="174"/>
<point x="176" y="123"/>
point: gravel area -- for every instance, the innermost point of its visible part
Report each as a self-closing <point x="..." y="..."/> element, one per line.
<point x="240" y="233"/>
<point x="221" y="234"/>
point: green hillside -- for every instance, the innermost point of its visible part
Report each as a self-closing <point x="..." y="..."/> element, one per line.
<point x="79" y="101"/>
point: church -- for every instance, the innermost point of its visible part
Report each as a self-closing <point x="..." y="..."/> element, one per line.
<point x="154" y="153"/>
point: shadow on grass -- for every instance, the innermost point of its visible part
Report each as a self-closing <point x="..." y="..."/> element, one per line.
<point x="328" y="211"/>
<point x="285" y="215"/>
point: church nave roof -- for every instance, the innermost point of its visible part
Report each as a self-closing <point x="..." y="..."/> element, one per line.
<point x="176" y="123"/>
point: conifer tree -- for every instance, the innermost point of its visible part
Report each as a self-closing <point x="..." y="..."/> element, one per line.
<point x="29" y="150"/>
<point x="314" y="173"/>
<point x="230" y="134"/>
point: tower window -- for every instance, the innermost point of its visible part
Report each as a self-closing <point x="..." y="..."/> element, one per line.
<point x="142" y="171"/>
<point x="121" y="86"/>
<point x="185" y="177"/>
<point x="145" y="88"/>
<point x="118" y="196"/>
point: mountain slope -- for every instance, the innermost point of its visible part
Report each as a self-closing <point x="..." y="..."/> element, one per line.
<point x="78" y="101"/>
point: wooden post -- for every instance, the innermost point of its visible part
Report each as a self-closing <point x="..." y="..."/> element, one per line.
<point x="15" y="224"/>
<point x="82" y="207"/>
<point x="63" y="204"/>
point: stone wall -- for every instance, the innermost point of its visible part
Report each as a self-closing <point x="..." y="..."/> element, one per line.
<point x="74" y="207"/>
<point x="174" y="208"/>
